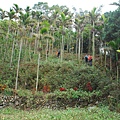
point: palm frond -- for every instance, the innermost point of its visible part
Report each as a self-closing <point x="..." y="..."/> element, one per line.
<point x="47" y="36"/>
<point x="114" y="3"/>
<point x="63" y="16"/>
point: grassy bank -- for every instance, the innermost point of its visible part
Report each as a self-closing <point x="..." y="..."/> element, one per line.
<point x="69" y="114"/>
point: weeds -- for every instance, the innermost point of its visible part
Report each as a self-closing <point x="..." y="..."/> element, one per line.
<point x="94" y="113"/>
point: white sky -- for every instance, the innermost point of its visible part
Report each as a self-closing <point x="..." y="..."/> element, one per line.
<point x="84" y="4"/>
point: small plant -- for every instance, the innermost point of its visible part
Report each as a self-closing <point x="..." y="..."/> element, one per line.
<point x="93" y="113"/>
<point x="75" y="88"/>
<point x="89" y="87"/>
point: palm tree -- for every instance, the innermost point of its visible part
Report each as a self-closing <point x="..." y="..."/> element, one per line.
<point x="42" y="7"/>
<point x="18" y="65"/>
<point x="55" y="11"/>
<point x="11" y="15"/>
<point x="17" y="10"/>
<point x="27" y="9"/>
<point x="24" y="20"/>
<point x="79" y="26"/>
<point x="104" y="20"/>
<point x="65" y="21"/>
<point x="115" y="46"/>
<point x="116" y="4"/>
<point x="94" y="16"/>
<point x="39" y="50"/>
<point x="2" y="14"/>
<point x="45" y="30"/>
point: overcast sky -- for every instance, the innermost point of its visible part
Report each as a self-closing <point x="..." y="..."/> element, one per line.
<point x="84" y="4"/>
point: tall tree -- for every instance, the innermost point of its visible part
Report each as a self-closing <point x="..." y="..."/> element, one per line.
<point x="11" y="15"/>
<point x="65" y="21"/>
<point x="79" y="26"/>
<point x="42" y="7"/>
<point x="2" y="14"/>
<point x="94" y="16"/>
<point x="115" y="45"/>
<point x="116" y="4"/>
<point x="24" y="21"/>
<point x="17" y="10"/>
<point x="112" y="27"/>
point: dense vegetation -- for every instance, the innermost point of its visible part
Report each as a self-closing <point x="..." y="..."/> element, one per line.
<point x="29" y="40"/>
<point x="71" y="114"/>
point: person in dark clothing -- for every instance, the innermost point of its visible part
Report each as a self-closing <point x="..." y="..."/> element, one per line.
<point x="86" y="59"/>
<point x="58" y="53"/>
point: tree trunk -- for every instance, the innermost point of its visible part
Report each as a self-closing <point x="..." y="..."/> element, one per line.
<point x="25" y="51"/>
<point x="105" y="58"/>
<point x="89" y="45"/>
<point x="38" y="71"/>
<point x="52" y="43"/>
<point x="79" y="48"/>
<point x="93" y="45"/>
<point x="82" y="46"/>
<point x="12" y="52"/>
<point x="47" y="51"/>
<point x="35" y="45"/>
<point x="76" y="48"/>
<point x="9" y="25"/>
<point x="62" y="48"/>
<point x="16" y="84"/>
<point x="110" y="63"/>
<point x="30" y="57"/>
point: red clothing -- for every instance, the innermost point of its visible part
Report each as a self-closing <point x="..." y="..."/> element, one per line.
<point x="89" y="58"/>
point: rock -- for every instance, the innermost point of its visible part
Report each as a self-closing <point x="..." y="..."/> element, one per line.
<point x="16" y="103"/>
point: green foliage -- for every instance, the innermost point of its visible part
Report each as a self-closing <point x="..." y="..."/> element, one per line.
<point x="69" y="73"/>
<point x="28" y="93"/>
<point x="82" y="95"/>
<point x="63" y="16"/>
<point x="45" y="27"/>
<point x="11" y="14"/>
<point x="46" y="24"/>
<point x="7" y="75"/>
<point x="94" y="113"/>
<point x="3" y="29"/>
<point x="114" y="44"/>
<point x="112" y="28"/>
<point x="25" y="18"/>
<point x="43" y="30"/>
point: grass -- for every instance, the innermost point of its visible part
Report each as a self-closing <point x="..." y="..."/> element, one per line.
<point x="69" y="114"/>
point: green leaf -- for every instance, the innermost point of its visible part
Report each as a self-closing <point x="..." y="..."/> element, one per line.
<point x="63" y="16"/>
<point x="118" y="50"/>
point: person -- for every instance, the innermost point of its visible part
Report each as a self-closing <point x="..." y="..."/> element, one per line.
<point x="86" y="58"/>
<point x="90" y="60"/>
<point x="58" y="53"/>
